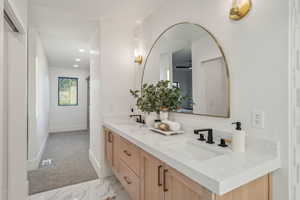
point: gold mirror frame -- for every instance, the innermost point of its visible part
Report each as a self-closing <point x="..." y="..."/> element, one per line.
<point x="225" y="61"/>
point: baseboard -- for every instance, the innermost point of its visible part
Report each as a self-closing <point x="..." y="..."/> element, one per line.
<point x="78" y="130"/>
<point x="27" y="187"/>
<point x="95" y="162"/>
<point x="34" y="163"/>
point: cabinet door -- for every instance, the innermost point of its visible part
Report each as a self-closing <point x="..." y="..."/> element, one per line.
<point x="129" y="180"/>
<point x="109" y="147"/>
<point x="178" y="187"/>
<point x="115" y="153"/>
<point x="130" y="154"/>
<point x="259" y="189"/>
<point x="151" y="173"/>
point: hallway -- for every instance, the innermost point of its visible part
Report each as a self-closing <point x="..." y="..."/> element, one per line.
<point x="70" y="162"/>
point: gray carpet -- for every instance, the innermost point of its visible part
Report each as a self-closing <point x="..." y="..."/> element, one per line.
<point x="71" y="165"/>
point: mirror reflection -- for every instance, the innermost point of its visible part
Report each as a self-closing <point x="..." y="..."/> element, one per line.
<point x="190" y="58"/>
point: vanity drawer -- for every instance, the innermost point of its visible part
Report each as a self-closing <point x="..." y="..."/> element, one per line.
<point x="129" y="180"/>
<point x="130" y="155"/>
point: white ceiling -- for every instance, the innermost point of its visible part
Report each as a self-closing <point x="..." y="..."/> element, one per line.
<point x="66" y="26"/>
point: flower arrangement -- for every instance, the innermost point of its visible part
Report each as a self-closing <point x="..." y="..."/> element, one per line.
<point x="156" y="97"/>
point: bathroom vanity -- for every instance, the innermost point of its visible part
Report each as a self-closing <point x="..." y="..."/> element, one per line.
<point x="151" y="166"/>
<point x="155" y="167"/>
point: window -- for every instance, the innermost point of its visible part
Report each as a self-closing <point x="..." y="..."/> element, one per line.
<point x="67" y="91"/>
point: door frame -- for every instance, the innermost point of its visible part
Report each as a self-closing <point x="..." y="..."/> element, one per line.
<point x="16" y="187"/>
<point x="294" y="98"/>
<point x="88" y="81"/>
<point x="3" y="189"/>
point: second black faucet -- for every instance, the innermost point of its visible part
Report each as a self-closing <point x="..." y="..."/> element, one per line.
<point x="210" y="138"/>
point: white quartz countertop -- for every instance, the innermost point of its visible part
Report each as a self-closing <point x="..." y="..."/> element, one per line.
<point x="221" y="173"/>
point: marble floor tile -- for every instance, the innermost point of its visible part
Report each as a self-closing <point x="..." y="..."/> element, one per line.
<point x="105" y="189"/>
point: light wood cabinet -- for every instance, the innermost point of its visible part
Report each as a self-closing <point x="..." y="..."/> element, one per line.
<point x="124" y="159"/>
<point x="258" y="189"/>
<point x="112" y="149"/>
<point x="179" y="187"/>
<point x="151" y="178"/>
<point x="109" y="137"/>
<point x="129" y="154"/>
<point x="129" y="180"/>
<point x="160" y="182"/>
<point x="145" y="177"/>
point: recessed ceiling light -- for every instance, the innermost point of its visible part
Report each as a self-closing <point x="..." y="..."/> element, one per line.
<point x="75" y="66"/>
<point x="82" y="50"/>
<point x="77" y="59"/>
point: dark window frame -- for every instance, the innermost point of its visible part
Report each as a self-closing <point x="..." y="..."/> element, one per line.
<point x="58" y="91"/>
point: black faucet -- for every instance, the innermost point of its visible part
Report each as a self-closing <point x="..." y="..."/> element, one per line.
<point x="210" y="138"/>
<point x="138" y="119"/>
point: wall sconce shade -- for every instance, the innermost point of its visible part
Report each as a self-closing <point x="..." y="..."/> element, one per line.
<point x="137" y="56"/>
<point x="237" y="12"/>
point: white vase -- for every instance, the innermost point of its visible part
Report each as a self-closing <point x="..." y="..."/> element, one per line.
<point x="150" y="119"/>
<point x="164" y="115"/>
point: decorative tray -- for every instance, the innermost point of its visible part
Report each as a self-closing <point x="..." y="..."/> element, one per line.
<point x="167" y="133"/>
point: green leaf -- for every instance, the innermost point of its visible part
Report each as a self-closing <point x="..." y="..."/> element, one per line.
<point x="155" y="96"/>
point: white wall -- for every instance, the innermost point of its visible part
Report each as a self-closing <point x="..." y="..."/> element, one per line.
<point x="112" y="76"/>
<point x="257" y="52"/>
<point x="117" y="74"/>
<point x="96" y="141"/>
<point x="68" y="118"/>
<point x="38" y="99"/>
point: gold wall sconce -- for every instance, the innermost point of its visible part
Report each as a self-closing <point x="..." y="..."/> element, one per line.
<point x="240" y="10"/>
<point x="137" y="57"/>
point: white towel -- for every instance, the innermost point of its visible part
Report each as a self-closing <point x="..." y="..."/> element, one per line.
<point x="174" y="126"/>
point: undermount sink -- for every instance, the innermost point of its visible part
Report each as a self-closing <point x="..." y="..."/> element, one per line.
<point x="127" y="123"/>
<point x="192" y="150"/>
<point x="133" y="126"/>
<point x="188" y="148"/>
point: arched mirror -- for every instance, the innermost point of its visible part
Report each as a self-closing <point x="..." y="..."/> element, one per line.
<point x="190" y="57"/>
